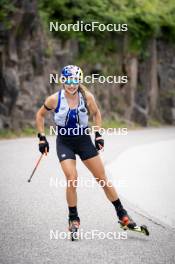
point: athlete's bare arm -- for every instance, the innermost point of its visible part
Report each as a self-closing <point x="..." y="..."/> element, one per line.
<point x="94" y="110"/>
<point x="51" y="103"/>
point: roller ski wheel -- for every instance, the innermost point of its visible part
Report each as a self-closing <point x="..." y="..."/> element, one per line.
<point x="73" y="228"/>
<point x="126" y="223"/>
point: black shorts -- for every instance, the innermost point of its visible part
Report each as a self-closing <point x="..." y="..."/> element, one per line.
<point x="69" y="146"/>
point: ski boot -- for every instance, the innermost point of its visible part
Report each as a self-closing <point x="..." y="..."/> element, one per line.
<point x="126" y="223"/>
<point x="73" y="228"/>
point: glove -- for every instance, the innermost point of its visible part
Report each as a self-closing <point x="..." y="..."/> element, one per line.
<point x="99" y="141"/>
<point x="43" y="144"/>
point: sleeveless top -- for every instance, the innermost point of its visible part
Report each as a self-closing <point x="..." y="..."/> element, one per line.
<point x="66" y="117"/>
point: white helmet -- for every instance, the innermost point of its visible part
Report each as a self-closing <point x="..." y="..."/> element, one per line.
<point x="73" y="72"/>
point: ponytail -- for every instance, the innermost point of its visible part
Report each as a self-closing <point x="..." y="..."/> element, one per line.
<point x="83" y="90"/>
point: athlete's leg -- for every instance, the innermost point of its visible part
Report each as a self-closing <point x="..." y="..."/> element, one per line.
<point x="70" y="172"/>
<point x="95" y="165"/>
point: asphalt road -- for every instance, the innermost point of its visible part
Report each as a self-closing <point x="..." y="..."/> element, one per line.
<point x="34" y="215"/>
<point x="145" y="175"/>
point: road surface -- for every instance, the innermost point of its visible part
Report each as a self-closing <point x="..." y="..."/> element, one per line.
<point x="34" y="215"/>
<point x="145" y="175"/>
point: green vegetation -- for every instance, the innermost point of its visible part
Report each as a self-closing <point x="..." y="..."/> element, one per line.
<point x="114" y="124"/>
<point x="144" y="19"/>
<point x="10" y="134"/>
<point x="25" y="132"/>
<point x="6" y="8"/>
<point x="154" y="123"/>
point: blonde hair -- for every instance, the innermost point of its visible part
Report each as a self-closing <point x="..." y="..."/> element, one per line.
<point x="83" y="90"/>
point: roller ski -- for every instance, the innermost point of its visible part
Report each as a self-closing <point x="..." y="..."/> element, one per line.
<point x="126" y="223"/>
<point x="74" y="229"/>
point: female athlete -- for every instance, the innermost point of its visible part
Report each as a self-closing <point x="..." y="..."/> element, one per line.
<point x="71" y="106"/>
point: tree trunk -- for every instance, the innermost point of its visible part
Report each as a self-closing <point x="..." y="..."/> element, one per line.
<point x="153" y="91"/>
<point x="131" y="68"/>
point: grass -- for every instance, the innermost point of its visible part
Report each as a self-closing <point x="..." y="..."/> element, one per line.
<point x="120" y="124"/>
<point x="9" y="134"/>
<point x="25" y="132"/>
<point x="154" y="123"/>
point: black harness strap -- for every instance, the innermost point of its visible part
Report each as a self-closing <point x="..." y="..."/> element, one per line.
<point x="47" y="108"/>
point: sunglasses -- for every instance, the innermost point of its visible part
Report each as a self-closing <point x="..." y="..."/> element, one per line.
<point x="69" y="82"/>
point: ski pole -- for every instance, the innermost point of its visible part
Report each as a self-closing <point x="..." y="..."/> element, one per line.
<point x="29" y="180"/>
